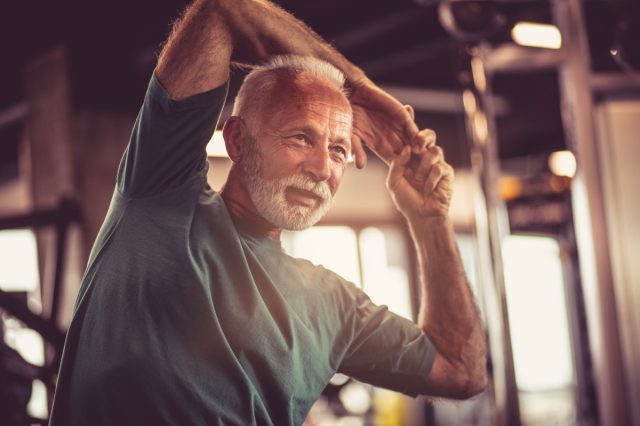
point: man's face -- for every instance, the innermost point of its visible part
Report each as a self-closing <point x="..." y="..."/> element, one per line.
<point x="295" y="163"/>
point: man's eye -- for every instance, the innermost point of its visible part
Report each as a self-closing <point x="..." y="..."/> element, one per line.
<point x="301" y="138"/>
<point x="340" y="150"/>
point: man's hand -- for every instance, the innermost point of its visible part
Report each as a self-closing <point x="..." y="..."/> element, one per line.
<point x="379" y="122"/>
<point x="421" y="183"/>
<point x="214" y="33"/>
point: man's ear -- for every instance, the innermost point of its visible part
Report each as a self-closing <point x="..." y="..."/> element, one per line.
<point x="233" y="133"/>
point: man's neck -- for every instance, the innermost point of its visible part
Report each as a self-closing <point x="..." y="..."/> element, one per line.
<point x="241" y="208"/>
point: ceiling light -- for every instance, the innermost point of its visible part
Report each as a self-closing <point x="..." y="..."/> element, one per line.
<point x="563" y="163"/>
<point x="536" y="35"/>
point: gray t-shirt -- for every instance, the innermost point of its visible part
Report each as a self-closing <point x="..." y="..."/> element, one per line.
<point x="185" y="318"/>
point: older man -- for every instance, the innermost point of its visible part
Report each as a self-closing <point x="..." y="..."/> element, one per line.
<point x="190" y="313"/>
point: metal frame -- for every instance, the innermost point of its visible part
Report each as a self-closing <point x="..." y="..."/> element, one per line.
<point x="61" y="219"/>
<point x="577" y="85"/>
<point x="491" y="227"/>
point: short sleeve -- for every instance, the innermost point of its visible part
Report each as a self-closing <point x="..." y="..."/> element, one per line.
<point x="168" y="142"/>
<point x="385" y="349"/>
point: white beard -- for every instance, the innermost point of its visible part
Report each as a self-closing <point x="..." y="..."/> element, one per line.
<point x="268" y="195"/>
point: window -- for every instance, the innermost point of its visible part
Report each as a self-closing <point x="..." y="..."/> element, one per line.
<point x="18" y="261"/>
<point x="19" y="274"/>
<point x="538" y="318"/>
<point x="373" y="258"/>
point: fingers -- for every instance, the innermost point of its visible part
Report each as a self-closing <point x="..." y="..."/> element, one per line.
<point x="419" y="139"/>
<point x="435" y="174"/>
<point x="431" y="156"/>
<point x="359" y="154"/>
<point x="412" y="113"/>
<point x="422" y="140"/>
<point x="410" y="128"/>
<point x="429" y="168"/>
<point x="398" y="166"/>
<point x="439" y="174"/>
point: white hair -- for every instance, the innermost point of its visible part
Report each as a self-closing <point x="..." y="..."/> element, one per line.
<point x="259" y="83"/>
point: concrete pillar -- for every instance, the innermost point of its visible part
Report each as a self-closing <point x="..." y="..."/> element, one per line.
<point x="51" y="179"/>
<point x="75" y="154"/>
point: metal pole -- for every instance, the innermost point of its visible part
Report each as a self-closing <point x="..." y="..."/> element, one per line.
<point x="491" y="227"/>
<point x="590" y="215"/>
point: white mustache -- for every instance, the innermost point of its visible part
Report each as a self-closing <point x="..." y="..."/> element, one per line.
<point x="321" y="189"/>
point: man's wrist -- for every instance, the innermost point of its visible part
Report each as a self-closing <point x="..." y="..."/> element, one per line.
<point x="430" y="222"/>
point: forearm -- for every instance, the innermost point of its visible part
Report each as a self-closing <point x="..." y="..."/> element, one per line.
<point x="448" y="313"/>
<point x="261" y="29"/>
<point x="214" y="33"/>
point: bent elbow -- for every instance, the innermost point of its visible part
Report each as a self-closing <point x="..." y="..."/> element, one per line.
<point x="472" y="383"/>
<point x="456" y="379"/>
<point x="476" y="386"/>
<point x="475" y="375"/>
<point x="478" y="382"/>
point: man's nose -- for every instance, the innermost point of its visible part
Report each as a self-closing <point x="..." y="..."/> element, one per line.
<point x="318" y="165"/>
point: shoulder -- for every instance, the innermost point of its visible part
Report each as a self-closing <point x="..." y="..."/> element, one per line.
<point x="158" y="92"/>
<point x="323" y="283"/>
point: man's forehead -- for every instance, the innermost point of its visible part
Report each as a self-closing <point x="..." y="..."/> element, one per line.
<point x="302" y="89"/>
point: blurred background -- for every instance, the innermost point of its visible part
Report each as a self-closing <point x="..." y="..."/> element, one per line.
<point x="536" y="104"/>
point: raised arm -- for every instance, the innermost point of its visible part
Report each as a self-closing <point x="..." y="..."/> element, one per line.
<point x="214" y="33"/>
<point x="421" y="189"/>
